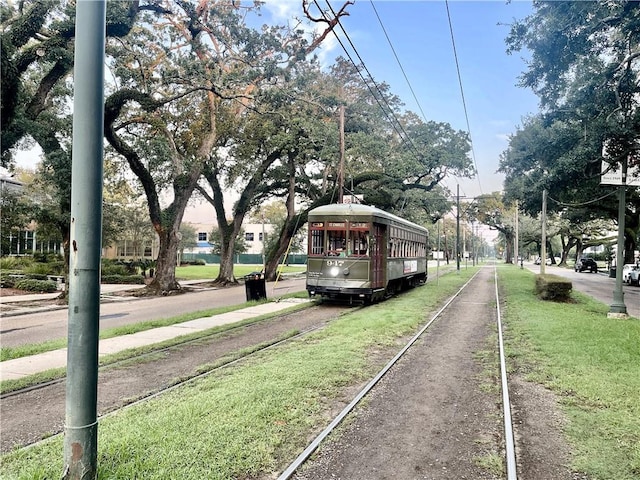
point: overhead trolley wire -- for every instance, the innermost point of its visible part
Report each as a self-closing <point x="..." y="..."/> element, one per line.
<point x="424" y="117"/>
<point x="413" y="93"/>
<point x="464" y="103"/>
<point x="396" y="125"/>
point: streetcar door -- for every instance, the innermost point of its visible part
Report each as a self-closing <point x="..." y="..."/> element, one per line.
<point x="377" y="256"/>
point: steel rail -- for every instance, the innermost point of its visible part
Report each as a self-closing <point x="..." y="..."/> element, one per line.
<point x="290" y="470"/>
<point x="192" y="379"/>
<point x="148" y="353"/>
<point x="506" y="404"/>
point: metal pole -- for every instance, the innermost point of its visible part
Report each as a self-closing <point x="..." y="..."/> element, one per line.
<point x="543" y="250"/>
<point x="81" y="426"/>
<point x="618" y="307"/>
<point x="438" y="262"/>
<point x="341" y="161"/>
<point x="458" y="228"/>
<point x="516" y="240"/>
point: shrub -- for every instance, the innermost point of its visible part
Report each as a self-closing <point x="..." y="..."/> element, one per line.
<point x="9" y="279"/>
<point x="38" y="269"/>
<point x="47" y="257"/>
<point x="196" y="261"/>
<point x="119" y="267"/>
<point x="41" y="286"/>
<point x="36" y="276"/>
<point x="15" y="263"/>
<point x="123" y="279"/>
<point x="553" y="287"/>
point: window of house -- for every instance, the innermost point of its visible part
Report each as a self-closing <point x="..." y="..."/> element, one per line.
<point x="248" y="237"/>
<point x="202" y="236"/>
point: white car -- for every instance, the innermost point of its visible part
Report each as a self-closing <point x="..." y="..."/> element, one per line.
<point x="633" y="277"/>
<point x="626" y="269"/>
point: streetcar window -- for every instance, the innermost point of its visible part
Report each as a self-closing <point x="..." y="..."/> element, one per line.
<point x="316" y="246"/>
<point x="337" y="242"/>
<point x="358" y="243"/>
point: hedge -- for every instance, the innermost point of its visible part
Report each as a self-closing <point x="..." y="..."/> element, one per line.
<point x="40" y="286"/>
<point x="553" y="287"/>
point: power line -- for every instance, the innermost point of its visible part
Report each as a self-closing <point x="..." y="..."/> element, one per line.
<point x="464" y="103"/>
<point x="398" y="60"/>
<point x="384" y="30"/>
<point x="397" y="126"/>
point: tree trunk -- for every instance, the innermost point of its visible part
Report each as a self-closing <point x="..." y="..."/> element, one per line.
<point x="225" y="276"/>
<point x="164" y="280"/>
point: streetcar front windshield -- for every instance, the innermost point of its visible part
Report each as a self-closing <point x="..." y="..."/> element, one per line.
<point x="339" y="239"/>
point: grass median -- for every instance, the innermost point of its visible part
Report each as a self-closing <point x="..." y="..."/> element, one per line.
<point x="592" y="365"/>
<point x="247" y="419"/>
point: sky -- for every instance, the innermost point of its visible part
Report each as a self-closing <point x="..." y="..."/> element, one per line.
<point x="418" y="32"/>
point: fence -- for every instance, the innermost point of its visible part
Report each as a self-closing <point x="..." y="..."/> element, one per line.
<point x="243" y="258"/>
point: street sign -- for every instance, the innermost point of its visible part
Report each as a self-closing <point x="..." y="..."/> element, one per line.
<point x="609" y="176"/>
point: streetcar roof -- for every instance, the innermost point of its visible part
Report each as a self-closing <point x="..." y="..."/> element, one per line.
<point x="355" y="209"/>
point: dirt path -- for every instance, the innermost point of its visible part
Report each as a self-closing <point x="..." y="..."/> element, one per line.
<point x="437" y="414"/>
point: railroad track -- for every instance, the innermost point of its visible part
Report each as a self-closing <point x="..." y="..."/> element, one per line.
<point x="507" y="434"/>
<point x="230" y="346"/>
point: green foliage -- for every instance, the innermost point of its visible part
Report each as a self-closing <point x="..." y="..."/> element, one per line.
<point x="118" y="267"/>
<point x="40" y="286"/>
<point x="39" y="269"/>
<point x="584" y="68"/>
<point x="15" y="263"/>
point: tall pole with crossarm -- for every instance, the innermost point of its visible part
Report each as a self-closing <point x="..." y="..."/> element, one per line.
<point x="81" y="424"/>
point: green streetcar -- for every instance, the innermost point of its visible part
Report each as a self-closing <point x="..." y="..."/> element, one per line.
<point x="361" y="253"/>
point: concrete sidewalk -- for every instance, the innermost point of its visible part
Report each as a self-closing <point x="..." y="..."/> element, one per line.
<point x="25" y="366"/>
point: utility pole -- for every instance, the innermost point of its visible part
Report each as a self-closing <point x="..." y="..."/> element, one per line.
<point x="618" y="307"/>
<point x="458" y="227"/>
<point x="543" y="249"/>
<point x="515" y="242"/>
<point x="341" y="162"/>
<point x="81" y="424"/>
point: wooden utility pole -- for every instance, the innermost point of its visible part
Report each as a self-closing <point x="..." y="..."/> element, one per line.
<point x="543" y="249"/>
<point x="341" y="161"/>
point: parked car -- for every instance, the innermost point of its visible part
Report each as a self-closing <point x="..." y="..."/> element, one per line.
<point x="633" y="278"/>
<point x="626" y="268"/>
<point x="586" y="263"/>
<point x="538" y="261"/>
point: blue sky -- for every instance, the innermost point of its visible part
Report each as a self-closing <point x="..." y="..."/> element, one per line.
<point x="420" y="35"/>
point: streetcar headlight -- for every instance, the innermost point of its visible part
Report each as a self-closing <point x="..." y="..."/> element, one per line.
<point x="334" y="271"/>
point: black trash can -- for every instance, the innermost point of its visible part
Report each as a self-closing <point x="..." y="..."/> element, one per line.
<point x="255" y="286"/>
<point x="612" y="272"/>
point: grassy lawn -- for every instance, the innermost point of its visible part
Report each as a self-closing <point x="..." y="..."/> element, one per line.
<point x="591" y="362"/>
<point x="245" y="419"/>
<point x="210" y="272"/>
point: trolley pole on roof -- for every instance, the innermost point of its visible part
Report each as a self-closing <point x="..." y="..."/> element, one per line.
<point x="81" y="425"/>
